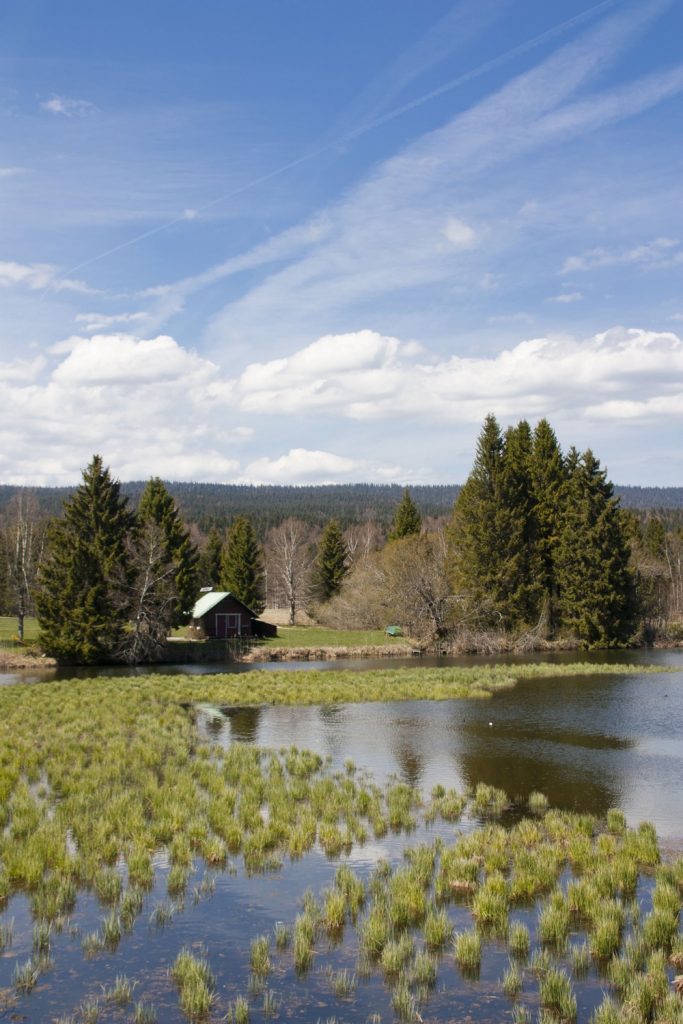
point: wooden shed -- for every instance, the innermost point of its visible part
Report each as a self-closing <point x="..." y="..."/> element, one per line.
<point x="219" y="614"/>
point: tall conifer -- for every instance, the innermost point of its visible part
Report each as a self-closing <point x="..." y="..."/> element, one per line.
<point x="596" y="590"/>
<point x="210" y="560"/>
<point x="519" y="591"/>
<point x="242" y="565"/>
<point x="473" y="533"/>
<point x="547" y="474"/>
<point x="407" y="520"/>
<point x="79" y="609"/>
<point x="331" y="561"/>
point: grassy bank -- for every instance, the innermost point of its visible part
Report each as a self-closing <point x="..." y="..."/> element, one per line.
<point x="318" y="636"/>
<point x="8" y="631"/>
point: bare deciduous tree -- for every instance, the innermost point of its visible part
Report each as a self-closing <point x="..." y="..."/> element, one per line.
<point x="404" y="584"/>
<point x="362" y="539"/>
<point x="289" y="561"/>
<point x="24" y="534"/>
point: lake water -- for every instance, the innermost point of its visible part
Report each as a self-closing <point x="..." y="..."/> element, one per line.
<point x="588" y="742"/>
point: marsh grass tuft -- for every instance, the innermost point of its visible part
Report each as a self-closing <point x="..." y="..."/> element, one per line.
<point x="145" y="1013"/>
<point x="342" y="983"/>
<point x="467" y="950"/>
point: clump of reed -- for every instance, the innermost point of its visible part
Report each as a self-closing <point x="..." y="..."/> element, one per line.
<point x="121" y="992"/>
<point x="437" y="928"/>
<point x="554" y="921"/>
<point x="556" y="995"/>
<point x="304" y="935"/>
<point x="195" y="982"/>
<point x="519" y="940"/>
<point x="342" y="983"/>
<point x="467" y="950"/>
<point x="396" y="953"/>
<point x="537" y="802"/>
<point x="512" y="980"/>
<point x="259" y="955"/>
<point x="144" y="1013"/>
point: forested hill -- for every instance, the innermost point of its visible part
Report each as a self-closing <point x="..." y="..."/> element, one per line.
<point x="217" y="504"/>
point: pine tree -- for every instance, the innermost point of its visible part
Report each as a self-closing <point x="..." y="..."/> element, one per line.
<point x="547" y="473"/>
<point x="473" y="533"/>
<point x="210" y="560"/>
<point x="242" y="565"/>
<point x="79" y="609"/>
<point x="158" y="507"/>
<point x="331" y="561"/>
<point x="596" y="587"/>
<point x="407" y="520"/>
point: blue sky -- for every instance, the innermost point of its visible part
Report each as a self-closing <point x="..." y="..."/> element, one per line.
<point x="292" y="242"/>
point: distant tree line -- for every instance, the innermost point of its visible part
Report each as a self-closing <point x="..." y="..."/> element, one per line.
<point x="211" y="506"/>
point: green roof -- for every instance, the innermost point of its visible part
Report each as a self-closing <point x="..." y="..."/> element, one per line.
<point x="208" y="601"/>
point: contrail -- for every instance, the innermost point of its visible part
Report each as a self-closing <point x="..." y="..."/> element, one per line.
<point x="355" y="133"/>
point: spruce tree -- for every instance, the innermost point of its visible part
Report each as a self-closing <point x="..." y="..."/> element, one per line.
<point x="547" y="473"/>
<point x="242" y="565"/>
<point x="407" y="520"/>
<point x="518" y="591"/>
<point x="473" y="533"/>
<point x="210" y="560"/>
<point x="79" y="607"/>
<point x="157" y="506"/>
<point x="596" y="586"/>
<point x="331" y="561"/>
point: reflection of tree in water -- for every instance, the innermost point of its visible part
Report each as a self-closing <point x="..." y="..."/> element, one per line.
<point x="244" y="723"/>
<point x="563" y="765"/>
<point x="214" y="725"/>
<point x="329" y="713"/>
<point x="410" y="761"/>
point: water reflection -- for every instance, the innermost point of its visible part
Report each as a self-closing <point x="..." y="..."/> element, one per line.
<point x="244" y="723"/>
<point x="588" y="742"/>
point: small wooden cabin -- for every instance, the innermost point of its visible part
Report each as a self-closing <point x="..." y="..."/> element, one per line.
<point x="219" y="614"/>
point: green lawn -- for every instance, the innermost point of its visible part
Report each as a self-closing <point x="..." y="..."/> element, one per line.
<point x="317" y="636"/>
<point x="8" y="630"/>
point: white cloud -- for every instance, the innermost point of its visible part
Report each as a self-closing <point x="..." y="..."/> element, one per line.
<point x="378" y="378"/>
<point x="660" y="252"/>
<point x="68" y="107"/>
<point x="565" y="298"/>
<point x="322" y="375"/>
<point x="21" y="369"/>
<point x="11" y="172"/>
<point x="38" y="276"/>
<point x="656" y="408"/>
<point x="458" y="233"/>
<point x="302" y="465"/>
<point x="148" y="405"/>
<point x="125" y="359"/>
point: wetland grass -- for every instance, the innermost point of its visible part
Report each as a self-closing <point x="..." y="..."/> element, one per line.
<point x="512" y="980"/>
<point x="519" y="940"/>
<point x="259" y="956"/>
<point x="467" y="950"/>
<point x="556" y="995"/>
<point x="74" y="820"/>
<point x="145" y="1013"/>
<point x="195" y="982"/>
